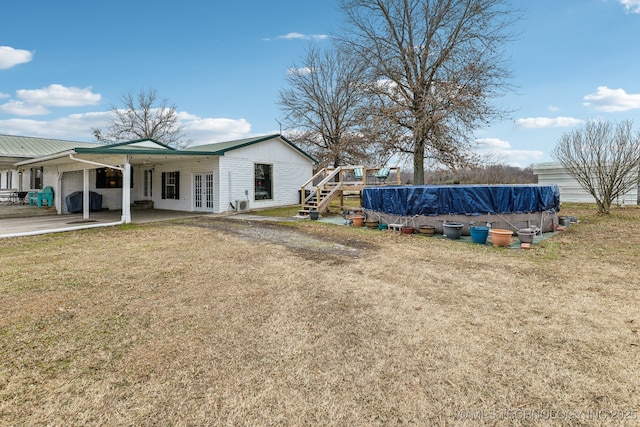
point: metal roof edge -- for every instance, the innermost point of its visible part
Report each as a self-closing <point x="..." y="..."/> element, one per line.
<point x="46" y="158"/>
<point x="135" y="141"/>
<point x="172" y="152"/>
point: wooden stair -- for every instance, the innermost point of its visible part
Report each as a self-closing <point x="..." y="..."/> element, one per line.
<point x="334" y="182"/>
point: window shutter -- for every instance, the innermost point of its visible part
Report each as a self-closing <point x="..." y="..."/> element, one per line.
<point x="177" y="191"/>
<point x="164" y="180"/>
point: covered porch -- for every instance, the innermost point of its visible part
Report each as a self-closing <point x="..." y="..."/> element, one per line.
<point x="109" y="172"/>
<point x="25" y="220"/>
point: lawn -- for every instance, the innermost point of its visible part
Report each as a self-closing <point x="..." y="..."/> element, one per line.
<point x="220" y="322"/>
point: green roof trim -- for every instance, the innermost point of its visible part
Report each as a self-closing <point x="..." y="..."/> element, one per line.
<point x="136" y="141"/>
<point x="145" y="151"/>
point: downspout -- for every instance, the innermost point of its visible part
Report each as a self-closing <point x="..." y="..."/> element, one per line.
<point x="125" y="218"/>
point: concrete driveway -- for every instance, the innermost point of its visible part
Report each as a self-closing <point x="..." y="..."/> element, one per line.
<point x="22" y="221"/>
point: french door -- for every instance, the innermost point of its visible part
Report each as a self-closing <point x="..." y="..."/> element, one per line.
<point x="203" y="191"/>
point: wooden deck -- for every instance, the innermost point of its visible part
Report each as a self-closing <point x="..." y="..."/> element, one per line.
<point x="331" y="183"/>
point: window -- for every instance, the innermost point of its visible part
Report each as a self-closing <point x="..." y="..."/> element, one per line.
<point x="148" y="183"/>
<point x="110" y="178"/>
<point x="8" y="181"/>
<point x="35" y="179"/>
<point x="263" y="185"/>
<point x="171" y="185"/>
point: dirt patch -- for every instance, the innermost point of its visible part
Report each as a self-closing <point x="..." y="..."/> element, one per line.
<point x="305" y="243"/>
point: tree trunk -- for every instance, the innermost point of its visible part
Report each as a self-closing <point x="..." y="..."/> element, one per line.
<point x="418" y="163"/>
<point x="603" y="206"/>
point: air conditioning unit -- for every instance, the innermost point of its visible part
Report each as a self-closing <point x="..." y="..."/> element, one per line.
<point x="242" y="205"/>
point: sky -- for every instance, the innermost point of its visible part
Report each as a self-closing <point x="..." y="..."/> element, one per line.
<point x="64" y="65"/>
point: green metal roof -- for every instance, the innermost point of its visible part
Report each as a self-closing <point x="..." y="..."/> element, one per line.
<point x="30" y="147"/>
<point x="129" y="147"/>
<point x="220" y="148"/>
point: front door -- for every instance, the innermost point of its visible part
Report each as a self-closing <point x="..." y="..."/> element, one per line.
<point x="203" y="192"/>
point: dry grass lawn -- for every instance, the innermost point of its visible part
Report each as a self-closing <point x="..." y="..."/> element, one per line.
<point x="213" y="322"/>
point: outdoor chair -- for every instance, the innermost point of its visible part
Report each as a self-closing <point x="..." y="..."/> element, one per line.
<point x="382" y="175"/>
<point x="42" y="197"/>
<point x="358" y="173"/>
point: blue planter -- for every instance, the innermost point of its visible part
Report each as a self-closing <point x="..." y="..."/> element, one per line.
<point x="479" y="234"/>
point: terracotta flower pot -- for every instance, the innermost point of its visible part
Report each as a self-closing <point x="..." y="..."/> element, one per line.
<point x="408" y="230"/>
<point x="358" y="220"/>
<point x="500" y="237"/>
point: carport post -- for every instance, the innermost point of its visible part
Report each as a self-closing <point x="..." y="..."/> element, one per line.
<point x="85" y="193"/>
<point x="126" y="192"/>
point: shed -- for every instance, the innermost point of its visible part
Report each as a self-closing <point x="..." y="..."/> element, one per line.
<point x="570" y="190"/>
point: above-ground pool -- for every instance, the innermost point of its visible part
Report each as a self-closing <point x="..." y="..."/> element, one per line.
<point x="503" y="206"/>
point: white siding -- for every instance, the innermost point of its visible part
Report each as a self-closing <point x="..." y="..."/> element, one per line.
<point x="187" y="169"/>
<point x="4" y="184"/>
<point x="290" y="171"/>
<point x="570" y="189"/>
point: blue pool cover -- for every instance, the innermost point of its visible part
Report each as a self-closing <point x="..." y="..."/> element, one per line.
<point x="462" y="199"/>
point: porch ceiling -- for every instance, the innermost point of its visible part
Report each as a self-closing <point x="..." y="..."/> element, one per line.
<point x="142" y="159"/>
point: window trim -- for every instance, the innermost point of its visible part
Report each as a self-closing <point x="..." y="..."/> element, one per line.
<point x="166" y="176"/>
<point x="268" y="181"/>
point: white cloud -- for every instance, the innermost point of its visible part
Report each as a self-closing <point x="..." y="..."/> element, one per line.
<point x="632" y="6"/>
<point x="77" y="127"/>
<point x="210" y="130"/>
<point x="56" y="95"/>
<point x="612" y="100"/>
<point x="553" y="108"/>
<point x="10" y="57"/>
<point x="502" y="152"/>
<point x="299" y="71"/>
<point x="299" y="36"/>
<point x="547" y="122"/>
<point x="20" y="108"/>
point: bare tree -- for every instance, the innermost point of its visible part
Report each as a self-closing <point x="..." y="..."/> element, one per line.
<point x="438" y="64"/>
<point x="144" y="116"/>
<point x="324" y="106"/>
<point x="604" y="158"/>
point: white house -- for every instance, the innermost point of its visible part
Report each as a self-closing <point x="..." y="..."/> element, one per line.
<point x="251" y="173"/>
<point x="570" y="189"/>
